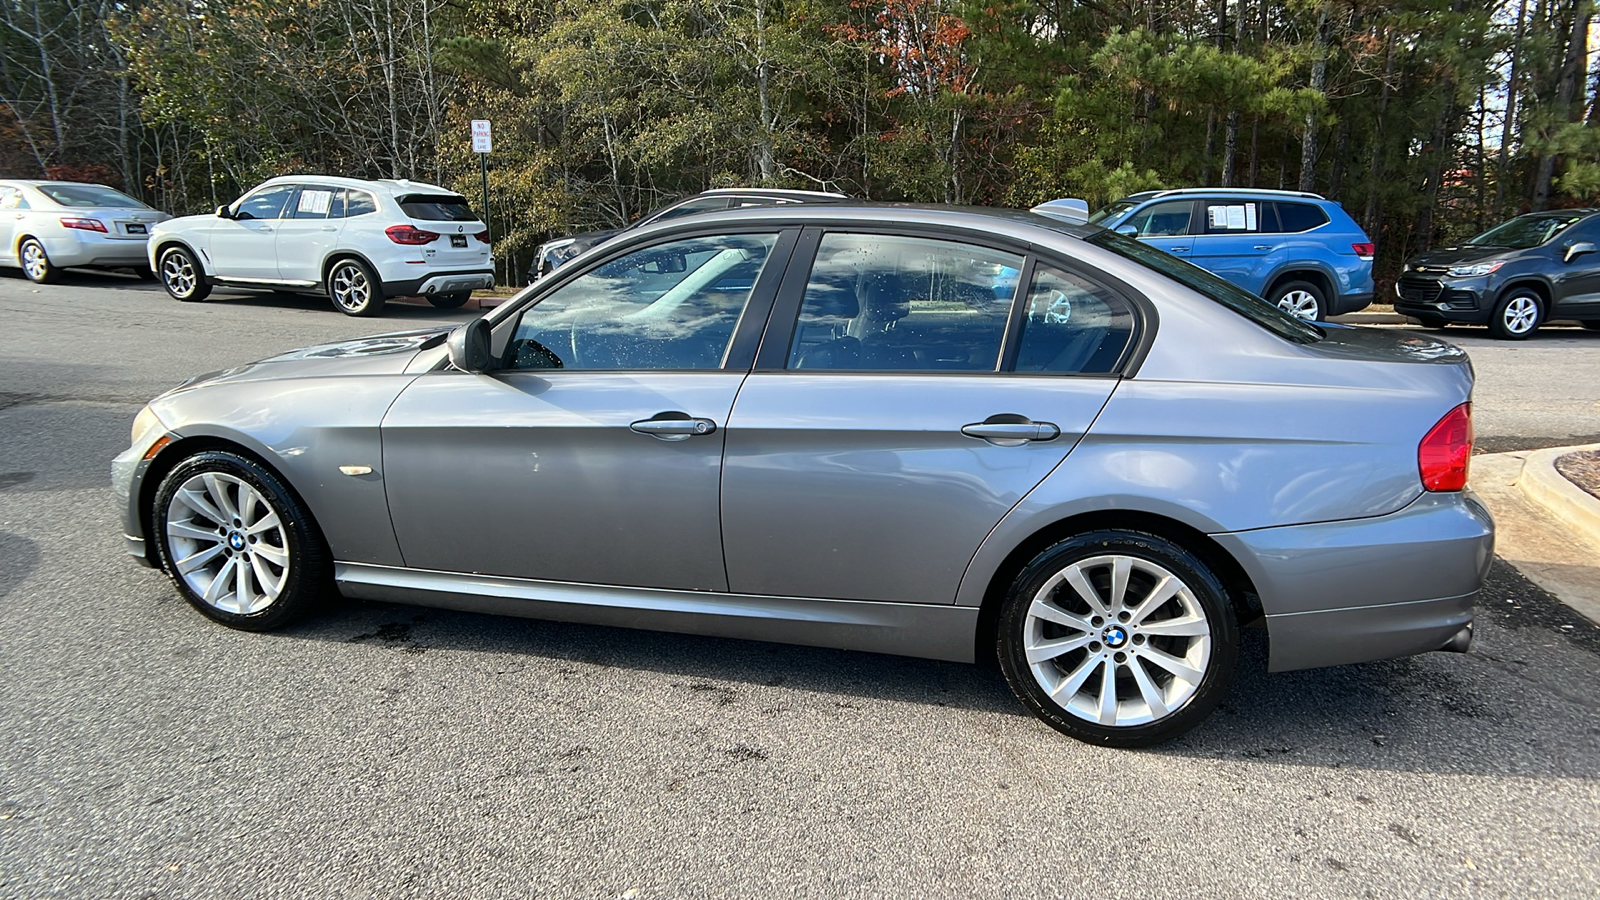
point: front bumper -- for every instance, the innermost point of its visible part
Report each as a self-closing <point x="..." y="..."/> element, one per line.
<point x="1365" y="589"/>
<point x="1450" y="299"/>
<point x="127" y="480"/>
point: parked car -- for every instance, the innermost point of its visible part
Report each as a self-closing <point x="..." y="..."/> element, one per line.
<point x="1513" y="277"/>
<point x="47" y="226"/>
<point x="552" y="254"/>
<point x="822" y="425"/>
<point x="1300" y="251"/>
<point x="360" y="242"/>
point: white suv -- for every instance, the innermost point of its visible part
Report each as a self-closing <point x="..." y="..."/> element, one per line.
<point x="360" y="241"/>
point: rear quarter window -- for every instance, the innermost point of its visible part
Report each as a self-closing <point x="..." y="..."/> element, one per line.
<point x="438" y="208"/>
<point x="1294" y="218"/>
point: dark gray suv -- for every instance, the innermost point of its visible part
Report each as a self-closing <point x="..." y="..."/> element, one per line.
<point x="1513" y="277"/>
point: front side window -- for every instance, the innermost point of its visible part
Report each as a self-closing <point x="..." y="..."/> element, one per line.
<point x="1072" y="326"/>
<point x="878" y="302"/>
<point x="266" y="204"/>
<point x="1161" y="219"/>
<point x="668" y="306"/>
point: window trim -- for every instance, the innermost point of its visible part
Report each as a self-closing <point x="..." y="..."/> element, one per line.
<point x="741" y="349"/>
<point x="785" y="314"/>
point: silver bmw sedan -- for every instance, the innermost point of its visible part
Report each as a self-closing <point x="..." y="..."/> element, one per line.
<point x="951" y="433"/>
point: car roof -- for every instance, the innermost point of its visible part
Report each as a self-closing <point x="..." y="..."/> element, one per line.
<point x="394" y="186"/>
<point x="1222" y="192"/>
<point x="1015" y="223"/>
<point x="793" y="193"/>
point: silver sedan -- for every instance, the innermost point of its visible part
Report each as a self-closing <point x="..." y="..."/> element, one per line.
<point x="47" y="226"/>
<point x="945" y="433"/>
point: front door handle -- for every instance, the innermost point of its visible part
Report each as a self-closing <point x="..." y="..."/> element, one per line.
<point x="1011" y="430"/>
<point x="1263" y="246"/>
<point x="1177" y="249"/>
<point x="673" y="426"/>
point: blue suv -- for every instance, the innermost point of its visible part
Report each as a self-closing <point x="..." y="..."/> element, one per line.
<point x="1300" y="251"/>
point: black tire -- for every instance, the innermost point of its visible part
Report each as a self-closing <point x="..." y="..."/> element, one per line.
<point x="182" y="276"/>
<point x="1216" y="650"/>
<point x="1517" y="315"/>
<point x="144" y="273"/>
<point x="354" y="290"/>
<point x="1433" y="322"/>
<point x="453" y="300"/>
<point x="1303" y="296"/>
<point x="294" y="537"/>
<point x="35" y="262"/>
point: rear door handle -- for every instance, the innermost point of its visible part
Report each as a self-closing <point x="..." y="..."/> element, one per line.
<point x="673" y="426"/>
<point x="1264" y="247"/>
<point x="1011" y="430"/>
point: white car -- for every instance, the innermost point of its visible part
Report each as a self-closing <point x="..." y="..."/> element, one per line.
<point x="360" y="241"/>
<point x="47" y="226"/>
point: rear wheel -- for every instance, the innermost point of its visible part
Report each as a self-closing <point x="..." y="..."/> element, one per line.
<point x="181" y="275"/>
<point x="453" y="300"/>
<point x="1301" y="299"/>
<point x="36" y="263"/>
<point x="236" y="543"/>
<point x="1119" y="638"/>
<point x="354" y="290"/>
<point x="1516" y="316"/>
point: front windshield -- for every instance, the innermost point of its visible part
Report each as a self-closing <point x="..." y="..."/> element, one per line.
<point x="1115" y="209"/>
<point x="1208" y="285"/>
<point x="1525" y="231"/>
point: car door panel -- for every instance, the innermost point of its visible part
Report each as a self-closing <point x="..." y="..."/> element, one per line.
<point x="541" y="475"/>
<point x="245" y="247"/>
<point x="307" y="233"/>
<point x="863" y="486"/>
<point x="1577" y="282"/>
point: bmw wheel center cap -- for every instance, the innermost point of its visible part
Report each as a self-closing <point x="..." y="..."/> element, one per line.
<point x="1115" y="637"/>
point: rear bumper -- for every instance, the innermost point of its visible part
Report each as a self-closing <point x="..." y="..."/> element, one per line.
<point x="441" y="283"/>
<point x="1349" y="303"/>
<point x="93" y="250"/>
<point x="1366" y="589"/>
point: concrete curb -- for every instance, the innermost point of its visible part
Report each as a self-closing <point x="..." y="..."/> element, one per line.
<point x="1541" y="483"/>
<point x="1370" y="318"/>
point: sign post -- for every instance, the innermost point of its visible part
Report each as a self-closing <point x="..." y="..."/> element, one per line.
<point x="482" y="143"/>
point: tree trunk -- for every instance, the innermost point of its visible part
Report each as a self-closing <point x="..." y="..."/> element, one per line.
<point x="1501" y="175"/>
<point x="1571" y="69"/>
<point x="1375" y="174"/>
<point x="1319" y="75"/>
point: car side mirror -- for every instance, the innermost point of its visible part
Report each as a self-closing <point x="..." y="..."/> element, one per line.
<point x="1577" y="250"/>
<point x="224" y="213"/>
<point x="1128" y="230"/>
<point x="469" y="347"/>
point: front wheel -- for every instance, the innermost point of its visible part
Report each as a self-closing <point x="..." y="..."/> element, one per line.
<point x="1301" y="299"/>
<point x="181" y="276"/>
<point x="1118" y="638"/>
<point x="36" y="263"/>
<point x="354" y="290"/>
<point x="237" y="544"/>
<point x="453" y="300"/>
<point x="1517" y="316"/>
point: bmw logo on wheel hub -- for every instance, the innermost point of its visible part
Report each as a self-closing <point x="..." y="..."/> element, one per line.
<point x="236" y="541"/>
<point x="1115" y="637"/>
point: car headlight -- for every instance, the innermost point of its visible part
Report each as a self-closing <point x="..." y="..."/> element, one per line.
<point x="143" y="423"/>
<point x="1474" y="270"/>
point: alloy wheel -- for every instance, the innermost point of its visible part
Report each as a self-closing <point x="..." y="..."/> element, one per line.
<point x="227" y="543"/>
<point x="1520" y="314"/>
<point x="351" y="289"/>
<point x="1300" y="304"/>
<point x="35" y="264"/>
<point x="1117" y="640"/>
<point x="178" y="273"/>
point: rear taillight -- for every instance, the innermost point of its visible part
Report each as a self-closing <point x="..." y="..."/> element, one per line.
<point x="84" y="224"/>
<point x="1444" y="453"/>
<point x="1365" y="251"/>
<point x="483" y="236"/>
<point x="410" y="234"/>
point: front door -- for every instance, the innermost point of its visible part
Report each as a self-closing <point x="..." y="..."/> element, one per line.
<point x="869" y="459"/>
<point x="245" y="246"/>
<point x="595" y="454"/>
<point x="1577" y="279"/>
<point x="1165" y="226"/>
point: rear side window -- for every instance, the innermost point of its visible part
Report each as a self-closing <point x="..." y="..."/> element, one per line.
<point x="358" y="203"/>
<point x="1294" y="218"/>
<point x="1231" y="217"/>
<point x="11" y="198"/>
<point x="1072" y="326"/>
<point x="883" y="302"/>
<point x="437" y="208"/>
<point x="313" y="203"/>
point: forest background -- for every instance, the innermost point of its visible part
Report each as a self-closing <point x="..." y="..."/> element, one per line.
<point x="1428" y="119"/>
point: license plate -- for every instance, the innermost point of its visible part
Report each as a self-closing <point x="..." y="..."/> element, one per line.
<point x="458" y="240"/>
<point x="132" y="228"/>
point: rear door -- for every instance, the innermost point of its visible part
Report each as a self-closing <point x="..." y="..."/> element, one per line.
<point x="1230" y="241"/>
<point x="308" y="232"/>
<point x="904" y="401"/>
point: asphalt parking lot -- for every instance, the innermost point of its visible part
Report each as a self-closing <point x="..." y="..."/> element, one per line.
<point x="382" y="750"/>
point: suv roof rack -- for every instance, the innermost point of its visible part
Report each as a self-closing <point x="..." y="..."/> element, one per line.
<point x="1235" y="190"/>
